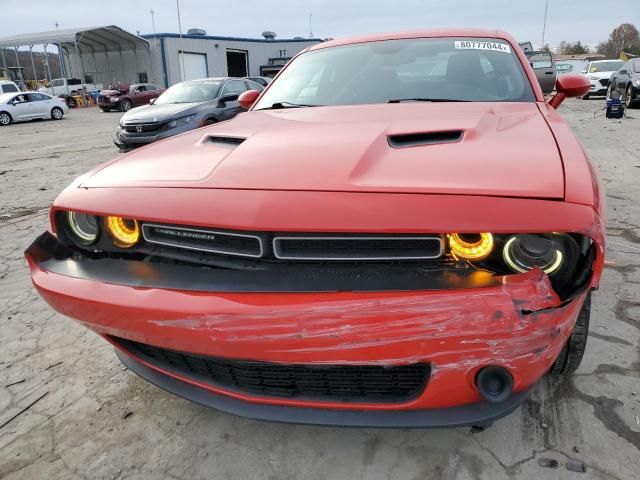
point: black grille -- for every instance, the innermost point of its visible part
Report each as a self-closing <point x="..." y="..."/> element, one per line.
<point x="203" y="240"/>
<point x="356" y="383"/>
<point x="357" y="248"/>
<point x="142" y="127"/>
<point x="604" y="82"/>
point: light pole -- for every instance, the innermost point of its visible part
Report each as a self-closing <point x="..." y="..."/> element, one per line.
<point x="544" y="25"/>
<point x="181" y="44"/>
<point x="153" y="24"/>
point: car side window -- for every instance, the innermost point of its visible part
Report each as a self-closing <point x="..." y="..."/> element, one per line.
<point x="142" y="88"/>
<point x="254" y="85"/>
<point x="233" y="87"/>
<point x="9" y="88"/>
<point x="636" y="65"/>
<point x="56" y="83"/>
<point x="20" y="98"/>
<point x="36" y="97"/>
<point x="150" y="88"/>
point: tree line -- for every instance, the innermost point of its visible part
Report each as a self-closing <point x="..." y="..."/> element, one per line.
<point x="624" y="38"/>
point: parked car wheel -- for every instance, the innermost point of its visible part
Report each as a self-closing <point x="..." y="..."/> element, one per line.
<point x="571" y="355"/>
<point x="57" y="113"/>
<point x="585" y="96"/>
<point x="71" y="102"/>
<point x="5" y="118"/>
<point x="105" y="109"/>
<point x="125" y="105"/>
<point x="630" y="97"/>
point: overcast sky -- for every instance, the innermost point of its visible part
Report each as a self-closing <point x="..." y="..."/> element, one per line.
<point x="588" y="20"/>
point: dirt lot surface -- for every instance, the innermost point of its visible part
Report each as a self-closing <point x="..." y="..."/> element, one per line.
<point x="93" y="419"/>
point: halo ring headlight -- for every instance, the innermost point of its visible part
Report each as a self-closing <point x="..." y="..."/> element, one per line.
<point x="125" y="232"/>
<point x="84" y="227"/>
<point x="471" y="247"/>
<point x="543" y="253"/>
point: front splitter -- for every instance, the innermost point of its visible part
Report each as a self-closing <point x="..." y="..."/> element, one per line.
<point x="482" y="413"/>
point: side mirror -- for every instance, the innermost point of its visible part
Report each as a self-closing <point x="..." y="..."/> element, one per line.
<point x="232" y="97"/>
<point x="248" y="98"/>
<point x="152" y="101"/>
<point x="568" y="86"/>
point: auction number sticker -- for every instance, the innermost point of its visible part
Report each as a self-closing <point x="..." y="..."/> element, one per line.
<point x="476" y="45"/>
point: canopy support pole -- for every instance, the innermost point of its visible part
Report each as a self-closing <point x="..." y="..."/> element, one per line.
<point x="4" y="63"/>
<point x="46" y="60"/>
<point x="19" y="68"/>
<point x="33" y="65"/>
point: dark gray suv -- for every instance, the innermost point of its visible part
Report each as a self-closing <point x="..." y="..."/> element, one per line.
<point x="183" y="107"/>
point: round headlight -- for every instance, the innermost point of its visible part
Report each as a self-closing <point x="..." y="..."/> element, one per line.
<point x="84" y="227"/>
<point x="524" y="252"/>
<point x="124" y="231"/>
<point x="471" y="246"/>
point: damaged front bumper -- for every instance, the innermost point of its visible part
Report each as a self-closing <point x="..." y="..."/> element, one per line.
<point x="516" y="322"/>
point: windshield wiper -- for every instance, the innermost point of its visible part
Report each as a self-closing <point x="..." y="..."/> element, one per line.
<point x="399" y="100"/>
<point x="279" y="105"/>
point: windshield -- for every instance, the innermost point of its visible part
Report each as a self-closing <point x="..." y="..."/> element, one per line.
<point x="455" y="69"/>
<point x="189" y="92"/>
<point x="611" y="66"/>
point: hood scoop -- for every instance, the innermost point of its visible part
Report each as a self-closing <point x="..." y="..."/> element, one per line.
<point x="229" y="142"/>
<point x="427" y="138"/>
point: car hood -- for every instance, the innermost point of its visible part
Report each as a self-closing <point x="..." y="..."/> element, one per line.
<point x="507" y="149"/>
<point x="159" y="113"/>
<point x="111" y="93"/>
<point x="602" y="75"/>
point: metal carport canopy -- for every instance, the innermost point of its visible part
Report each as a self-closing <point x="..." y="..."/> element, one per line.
<point x="92" y="39"/>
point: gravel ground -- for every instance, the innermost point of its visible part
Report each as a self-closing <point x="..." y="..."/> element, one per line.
<point x="94" y="419"/>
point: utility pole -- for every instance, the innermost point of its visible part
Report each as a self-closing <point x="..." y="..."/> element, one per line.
<point x="310" y="30"/>
<point x="182" y="72"/>
<point x="153" y="24"/>
<point x="544" y="25"/>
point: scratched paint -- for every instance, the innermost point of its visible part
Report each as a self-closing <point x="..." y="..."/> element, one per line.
<point x="456" y="331"/>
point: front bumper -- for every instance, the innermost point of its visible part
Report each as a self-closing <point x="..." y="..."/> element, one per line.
<point x="516" y="322"/>
<point x="125" y="140"/>
<point x="597" y="88"/>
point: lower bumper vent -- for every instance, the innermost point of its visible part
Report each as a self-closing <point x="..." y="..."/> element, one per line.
<point x="355" y="383"/>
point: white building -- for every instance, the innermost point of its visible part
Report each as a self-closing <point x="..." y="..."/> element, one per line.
<point x="107" y="55"/>
<point x="199" y="55"/>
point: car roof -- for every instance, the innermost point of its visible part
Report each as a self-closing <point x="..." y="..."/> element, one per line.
<point x="434" y="33"/>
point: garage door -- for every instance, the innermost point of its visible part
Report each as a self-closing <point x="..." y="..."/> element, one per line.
<point x="192" y="65"/>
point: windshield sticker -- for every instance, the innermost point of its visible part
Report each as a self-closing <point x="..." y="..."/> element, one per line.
<point x="475" y="45"/>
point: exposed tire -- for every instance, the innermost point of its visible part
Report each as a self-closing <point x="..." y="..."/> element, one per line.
<point x="209" y="121"/>
<point x="630" y="97"/>
<point x="105" y="109"/>
<point x="71" y="102"/>
<point x="57" y="113"/>
<point x="571" y="355"/>
<point x="5" y="119"/>
<point x="585" y="96"/>
<point x="125" y="105"/>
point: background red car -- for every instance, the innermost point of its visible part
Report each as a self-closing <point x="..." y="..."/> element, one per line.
<point x="124" y="96"/>
<point x="417" y="250"/>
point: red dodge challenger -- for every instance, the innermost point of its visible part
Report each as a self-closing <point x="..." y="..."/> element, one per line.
<point x="400" y="231"/>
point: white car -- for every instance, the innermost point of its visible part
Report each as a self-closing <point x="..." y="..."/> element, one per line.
<point x="20" y="107"/>
<point x="599" y="72"/>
